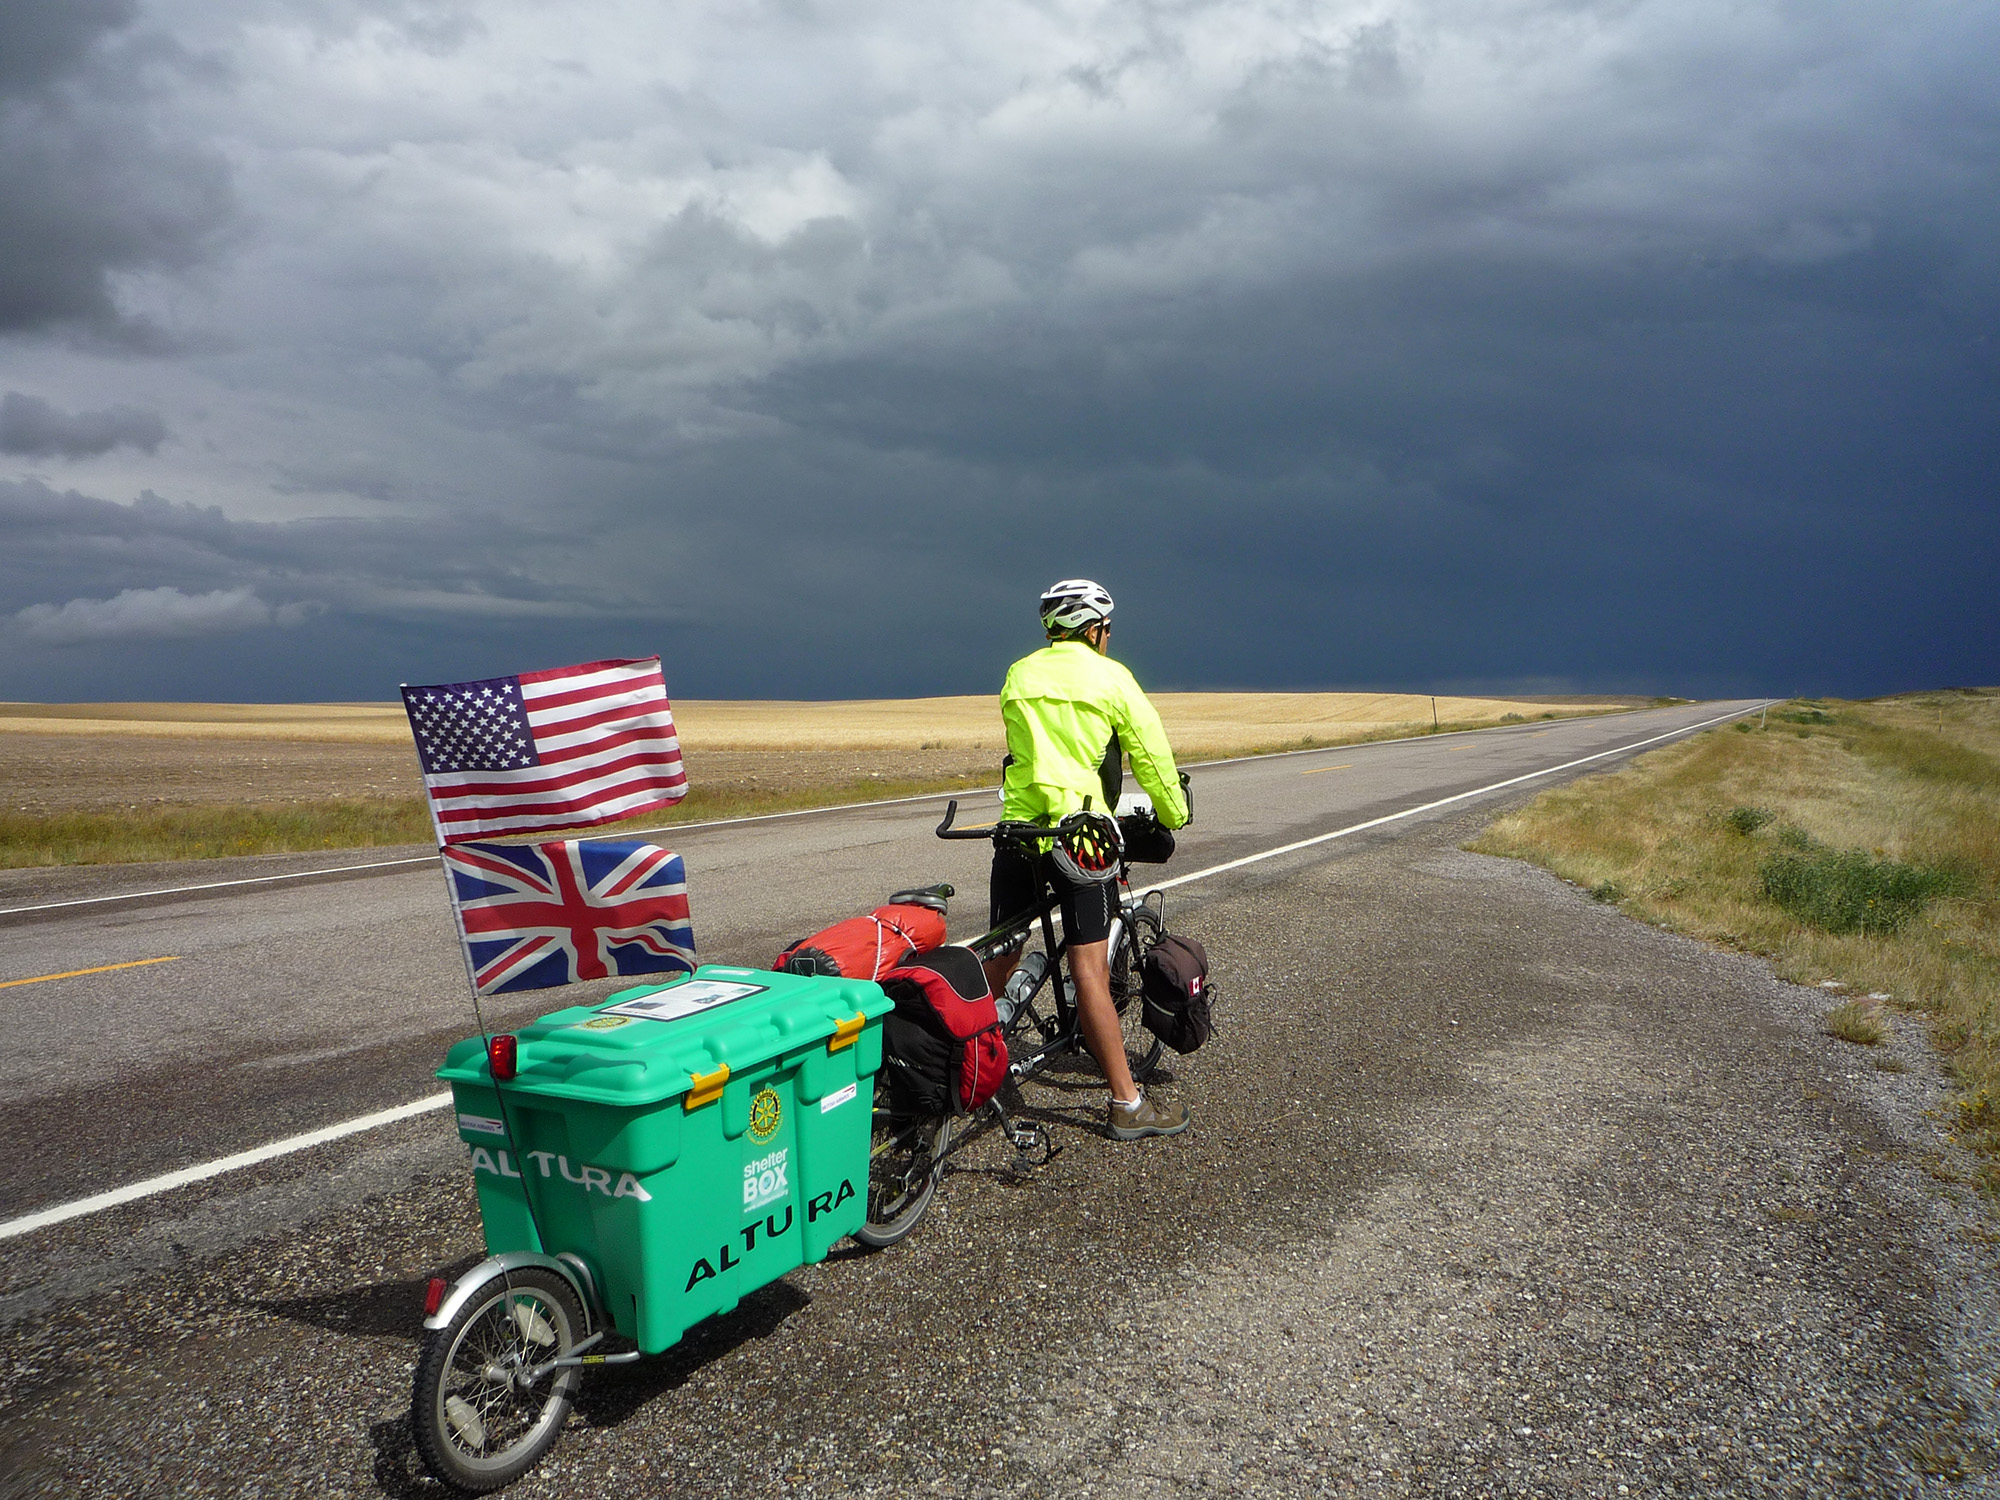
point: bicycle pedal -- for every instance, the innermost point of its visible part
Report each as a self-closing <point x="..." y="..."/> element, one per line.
<point x="1033" y="1146"/>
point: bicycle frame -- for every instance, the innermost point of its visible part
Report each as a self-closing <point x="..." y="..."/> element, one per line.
<point x="1060" y="1033"/>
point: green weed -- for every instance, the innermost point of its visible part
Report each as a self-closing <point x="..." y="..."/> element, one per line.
<point x="1845" y="890"/>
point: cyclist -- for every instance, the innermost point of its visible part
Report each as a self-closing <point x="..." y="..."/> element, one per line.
<point x="1061" y="706"/>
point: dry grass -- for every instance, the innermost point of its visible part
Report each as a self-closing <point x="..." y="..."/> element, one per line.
<point x="1689" y="836"/>
<point x="1857" y="1021"/>
<point x="1198" y="724"/>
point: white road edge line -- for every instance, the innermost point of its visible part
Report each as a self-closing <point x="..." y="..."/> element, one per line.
<point x="424" y="859"/>
<point x="28" y="1223"/>
<point x="188" y="1175"/>
<point x="214" y="885"/>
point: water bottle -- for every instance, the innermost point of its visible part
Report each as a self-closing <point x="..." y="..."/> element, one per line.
<point x="1020" y="985"/>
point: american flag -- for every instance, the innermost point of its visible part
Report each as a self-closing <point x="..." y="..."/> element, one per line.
<point x="537" y="915"/>
<point x="566" y="748"/>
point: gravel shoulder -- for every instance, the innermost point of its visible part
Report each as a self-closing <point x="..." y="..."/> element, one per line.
<point x="1490" y="1191"/>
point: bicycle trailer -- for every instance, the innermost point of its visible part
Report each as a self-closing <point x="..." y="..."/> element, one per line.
<point x="674" y="1148"/>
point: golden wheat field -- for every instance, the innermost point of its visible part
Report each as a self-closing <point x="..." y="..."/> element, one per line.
<point x="1197" y="723"/>
<point x="109" y="782"/>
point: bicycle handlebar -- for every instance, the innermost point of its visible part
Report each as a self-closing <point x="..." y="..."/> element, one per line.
<point x="1002" y="829"/>
<point x="1006" y="829"/>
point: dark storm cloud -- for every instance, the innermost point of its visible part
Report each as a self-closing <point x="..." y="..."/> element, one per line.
<point x="44" y="39"/>
<point x="94" y="591"/>
<point x="1644" y="344"/>
<point x="92" y="185"/>
<point x="31" y="426"/>
<point x="1655" y="472"/>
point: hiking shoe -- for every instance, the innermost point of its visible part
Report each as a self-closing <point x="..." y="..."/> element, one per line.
<point x="1150" y="1118"/>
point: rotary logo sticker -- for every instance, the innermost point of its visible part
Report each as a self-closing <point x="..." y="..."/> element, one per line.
<point x="767" y="1113"/>
<point x="605" y="1023"/>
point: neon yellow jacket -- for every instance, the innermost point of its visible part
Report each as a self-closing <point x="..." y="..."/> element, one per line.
<point x="1060" y="706"/>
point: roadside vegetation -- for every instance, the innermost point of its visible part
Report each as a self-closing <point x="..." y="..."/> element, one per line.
<point x="121" y="836"/>
<point x="1856" y="845"/>
<point x="127" y="836"/>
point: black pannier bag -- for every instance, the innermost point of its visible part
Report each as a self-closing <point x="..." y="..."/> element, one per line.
<point x="920" y="1065"/>
<point x="1174" y="992"/>
<point x="942" y="1043"/>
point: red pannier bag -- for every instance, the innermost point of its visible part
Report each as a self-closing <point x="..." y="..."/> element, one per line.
<point x="943" y="1040"/>
<point x="865" y="947"/>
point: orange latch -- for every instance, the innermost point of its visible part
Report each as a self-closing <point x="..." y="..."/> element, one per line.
<point x="706" y="1088"/>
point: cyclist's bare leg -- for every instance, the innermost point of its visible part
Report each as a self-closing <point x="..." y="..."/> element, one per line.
<point x="1090" y="971"/>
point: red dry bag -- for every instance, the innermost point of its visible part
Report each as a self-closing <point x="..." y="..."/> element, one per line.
<point x="865" y="947"/>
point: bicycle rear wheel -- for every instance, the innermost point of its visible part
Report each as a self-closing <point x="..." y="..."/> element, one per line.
<point x="905" y="1159"/>
<point x="1140" y="931"/>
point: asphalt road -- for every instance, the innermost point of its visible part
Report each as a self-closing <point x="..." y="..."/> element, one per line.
<point x="293" y="1006"/>
<point x="1491" y="1191"/>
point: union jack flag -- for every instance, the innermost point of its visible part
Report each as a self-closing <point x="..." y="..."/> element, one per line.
<point x="533" y="916"/>
<point x="564" y="748"/>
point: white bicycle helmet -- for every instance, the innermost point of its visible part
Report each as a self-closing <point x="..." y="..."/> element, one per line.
<point x="1074" y="604"/>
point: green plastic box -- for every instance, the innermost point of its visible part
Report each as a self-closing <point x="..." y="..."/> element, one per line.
<point x="691" y="1141"/>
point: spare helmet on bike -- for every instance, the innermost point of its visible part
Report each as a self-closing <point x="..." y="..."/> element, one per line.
<point x="1074" y="605"/>
<point x="1088" y="847"/>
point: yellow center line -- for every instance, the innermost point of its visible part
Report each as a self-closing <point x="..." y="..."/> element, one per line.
<point x="137" y="963"/>
<point x="1317" y="769"/>
<point x="1453" y="750"/>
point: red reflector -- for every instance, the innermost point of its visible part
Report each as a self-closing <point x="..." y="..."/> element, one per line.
<point x="434" y="1296"/>
<point x="501" y="1056"/>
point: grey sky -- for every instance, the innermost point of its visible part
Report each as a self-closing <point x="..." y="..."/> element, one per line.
<point x="1467" y="343"/>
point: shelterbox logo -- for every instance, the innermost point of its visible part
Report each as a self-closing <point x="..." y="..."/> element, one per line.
<point x="764" y="1181"/>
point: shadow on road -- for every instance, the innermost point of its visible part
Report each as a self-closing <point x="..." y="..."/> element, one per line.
<point x="383" y="1308"/>
<point x="612" y="1395"/>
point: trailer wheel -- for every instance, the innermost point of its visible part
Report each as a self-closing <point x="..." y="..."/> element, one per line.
<point x="480" y="1422"/>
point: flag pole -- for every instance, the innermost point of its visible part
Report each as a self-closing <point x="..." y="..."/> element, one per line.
<point x="478" y="1015"/>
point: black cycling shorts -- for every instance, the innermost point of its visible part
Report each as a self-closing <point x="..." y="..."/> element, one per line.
<point x="1020" y="882"/>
